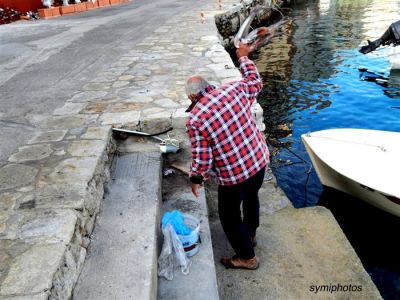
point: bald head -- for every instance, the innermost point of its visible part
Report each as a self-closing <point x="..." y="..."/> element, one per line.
<point x="195" y="85"/>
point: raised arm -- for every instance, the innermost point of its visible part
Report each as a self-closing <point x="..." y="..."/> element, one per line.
<point x="251" y="81"/>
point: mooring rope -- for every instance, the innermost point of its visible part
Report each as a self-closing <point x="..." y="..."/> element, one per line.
<point x="350" y="142"/>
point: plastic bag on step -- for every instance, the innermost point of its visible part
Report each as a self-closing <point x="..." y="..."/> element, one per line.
<point x="172" y="254"/>
<point x="176" y="219"/>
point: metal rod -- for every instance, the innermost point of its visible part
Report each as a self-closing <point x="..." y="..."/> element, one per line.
<point x="137" y="133"/>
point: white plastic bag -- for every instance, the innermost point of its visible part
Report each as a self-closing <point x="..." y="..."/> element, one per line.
<point x="172" y="254"/>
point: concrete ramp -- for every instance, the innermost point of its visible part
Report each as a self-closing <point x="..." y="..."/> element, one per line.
<point x="122" y="258"/>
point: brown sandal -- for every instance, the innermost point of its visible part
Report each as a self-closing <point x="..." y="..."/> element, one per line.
<point x="236" y="262"/>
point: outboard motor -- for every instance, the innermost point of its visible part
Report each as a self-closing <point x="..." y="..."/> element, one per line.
<point x="390" y="36"/>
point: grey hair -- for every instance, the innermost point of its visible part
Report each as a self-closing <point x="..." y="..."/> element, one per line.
<point x="195" y="85"/>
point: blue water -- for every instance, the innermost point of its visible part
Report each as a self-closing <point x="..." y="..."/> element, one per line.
<point x="343" y="100"/>
<point x="322" y="87"/>
<point x="312" y="81"/>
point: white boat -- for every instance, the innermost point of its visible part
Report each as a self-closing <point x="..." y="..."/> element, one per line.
<point x="363" y="163"/>
<point x="394" y="57"/>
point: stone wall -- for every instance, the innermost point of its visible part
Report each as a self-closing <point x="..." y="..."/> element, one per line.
<point x="229" y="22"/>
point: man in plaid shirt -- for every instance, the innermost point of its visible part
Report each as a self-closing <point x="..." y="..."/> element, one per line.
<point x="224" y="137"/>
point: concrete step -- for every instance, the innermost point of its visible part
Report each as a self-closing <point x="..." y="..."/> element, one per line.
<point x="303" y="255"/>
<point x="201" y="282"/>
<point x="122" y="257"/>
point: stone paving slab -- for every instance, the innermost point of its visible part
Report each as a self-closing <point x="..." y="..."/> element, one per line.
<point x="16" y="175"/>
<point x="39" y="225"/>
<point x="40" y="296"/>
<point x="48" y="136"/>
<point x="31" y="152"/>
<point x="28" y="268"/>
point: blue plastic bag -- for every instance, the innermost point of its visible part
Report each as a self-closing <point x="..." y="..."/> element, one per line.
<point x="176" y="219"/>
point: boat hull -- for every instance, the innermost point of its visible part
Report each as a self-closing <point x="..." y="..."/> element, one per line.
<point x="394" y="57"/>
<point x="334" y="179"/>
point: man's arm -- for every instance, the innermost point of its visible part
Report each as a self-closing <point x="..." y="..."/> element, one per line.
<point x="251" y="82"/>
<point x="201" y="156"/>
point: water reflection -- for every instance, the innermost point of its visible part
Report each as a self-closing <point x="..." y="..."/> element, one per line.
<point x="390" y="84"/>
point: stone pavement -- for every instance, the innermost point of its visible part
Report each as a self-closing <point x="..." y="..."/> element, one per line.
<point x="51" y="188"/>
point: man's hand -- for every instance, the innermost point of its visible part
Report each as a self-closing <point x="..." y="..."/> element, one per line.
<point x="195" y="189"/>
<point x="244" y="50"/>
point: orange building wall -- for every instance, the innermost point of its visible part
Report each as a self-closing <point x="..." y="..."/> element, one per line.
<point x="22" y="5"/>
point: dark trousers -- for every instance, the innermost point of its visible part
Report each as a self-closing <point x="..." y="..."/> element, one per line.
<point x="239" y="230"/>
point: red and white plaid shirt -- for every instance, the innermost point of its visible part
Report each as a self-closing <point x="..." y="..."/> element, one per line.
<point x="223" y="132"/>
